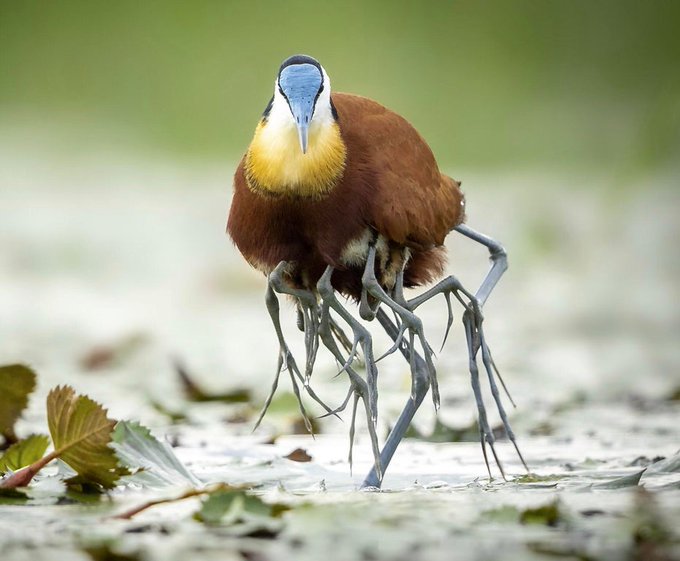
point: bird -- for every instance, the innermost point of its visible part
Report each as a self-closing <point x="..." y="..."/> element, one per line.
<point x="339" y="198"/>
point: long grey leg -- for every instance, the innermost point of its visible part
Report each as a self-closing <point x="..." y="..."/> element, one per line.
<point x="408" y="320"/>
<point x="499" y="264"/>
<point x="499" y="261"/>
<point x="421" y="383"/>
<point x="286" y="360"/>
<point x="472" y="320"/>
<point x="361" y="338"/>
<point x="359" y="388"/>
<point x="307" y="312"/>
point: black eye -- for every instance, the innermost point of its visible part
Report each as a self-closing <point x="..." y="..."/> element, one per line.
<point x="321" y="88"/>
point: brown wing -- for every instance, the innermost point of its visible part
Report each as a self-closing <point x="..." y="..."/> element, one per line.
<point x="412" y="202"/>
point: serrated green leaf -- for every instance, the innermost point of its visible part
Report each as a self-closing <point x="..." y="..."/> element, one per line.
<point x="24" y="453"/>
<point x="81" y="432"/>
<point x="138" y="449"/>
<point x="16" y="384"/>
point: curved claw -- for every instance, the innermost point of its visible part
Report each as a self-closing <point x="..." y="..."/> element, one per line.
<point x="339" y="334"/>
<point x="352" y="429"/>
<point x="340" y="408"/>
<point x="449" y="320"/>
<point x="396" y="345"/>
<point x="270" y="397"/>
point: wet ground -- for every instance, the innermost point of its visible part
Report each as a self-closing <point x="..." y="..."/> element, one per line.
<point x="111" y="273"/>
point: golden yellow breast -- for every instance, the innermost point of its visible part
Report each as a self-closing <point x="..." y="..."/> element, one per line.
<point x="275" y="163"/>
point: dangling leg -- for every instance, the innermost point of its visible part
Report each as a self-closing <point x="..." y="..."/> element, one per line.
<point x="361" y="338"/>
<point x="286" y="359"/>
<point x="307" y="313"/>
<point x="421" y="383"/>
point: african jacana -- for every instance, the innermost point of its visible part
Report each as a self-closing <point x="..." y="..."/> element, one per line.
<point x="337" y="194"/>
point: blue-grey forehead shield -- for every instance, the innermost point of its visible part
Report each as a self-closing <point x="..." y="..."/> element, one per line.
<point x="300" y="84"/>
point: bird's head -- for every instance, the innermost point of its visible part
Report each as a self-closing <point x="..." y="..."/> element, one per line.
<point x="302" y="97"/>
<point x="298" y="147"/>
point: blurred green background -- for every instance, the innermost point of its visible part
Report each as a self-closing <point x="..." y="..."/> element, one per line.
<point x="491" y="83"/>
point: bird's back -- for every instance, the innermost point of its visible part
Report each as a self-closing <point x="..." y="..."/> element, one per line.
<point x="413" y="203"/>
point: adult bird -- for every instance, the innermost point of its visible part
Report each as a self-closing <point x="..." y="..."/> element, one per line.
<point x="339" y="195"/>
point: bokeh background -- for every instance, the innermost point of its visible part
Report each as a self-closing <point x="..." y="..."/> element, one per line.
<point x="121" y="125"/>
<point x="488" y="83"/>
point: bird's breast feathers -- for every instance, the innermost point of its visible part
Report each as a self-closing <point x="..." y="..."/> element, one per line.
<point x="275" y="164"/>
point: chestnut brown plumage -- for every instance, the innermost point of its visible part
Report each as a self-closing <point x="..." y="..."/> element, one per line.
<point x="391" y="184"/>
<point x="359" y="208"/>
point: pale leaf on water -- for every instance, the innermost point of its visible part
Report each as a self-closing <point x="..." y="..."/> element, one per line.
<point x="155" y="461"/>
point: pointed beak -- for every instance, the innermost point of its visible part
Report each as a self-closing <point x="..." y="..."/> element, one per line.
<point x="302" y="109"/>
<point x="300" y="84"/>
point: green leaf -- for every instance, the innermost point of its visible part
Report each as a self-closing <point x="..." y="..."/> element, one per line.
<point x="505" y="513"/>
<point x="235" y="506"/>
<point x="24" y="453"/>
<point x="194" y="392"/>
<point x="16" y="384"/>
<point x="534" y="478"/>
<point x="81" y="432"/>
<point x="154" y="461"/>
<point x="548" y="515"/>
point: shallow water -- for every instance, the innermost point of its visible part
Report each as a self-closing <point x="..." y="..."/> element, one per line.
<point x="133" y="259"/>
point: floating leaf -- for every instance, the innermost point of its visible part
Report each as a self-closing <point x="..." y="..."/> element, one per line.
<point x="218" y="487"/>
<point x="548" y="515"/>
<point x="138" y="449"/>
<point x="106" y="356"/>
<point x="534" y="478"/>
<point x="245" y="513"/>
<point x="81" y="432"/>
<point x="24" y="453"/>
<point x="16" y="384"/>
<point x="299" y="455"/>
<point x="620" y="482"/>
<point x="505" y="513"/>
<point x="667" y="465"/>
<point x="194" y="392"/>
<point x="108" y="552"/>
